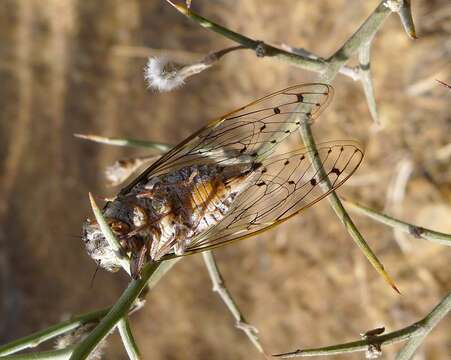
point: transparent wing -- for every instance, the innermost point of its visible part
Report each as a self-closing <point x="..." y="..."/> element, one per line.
<point x="283" y="186"/>
<point x="250" y="132"/>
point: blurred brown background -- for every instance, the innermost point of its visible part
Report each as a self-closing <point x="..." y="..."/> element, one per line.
<point x="71" y="66"/>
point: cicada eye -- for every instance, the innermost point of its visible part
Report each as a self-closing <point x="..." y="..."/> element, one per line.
<point x="118" y="227"/>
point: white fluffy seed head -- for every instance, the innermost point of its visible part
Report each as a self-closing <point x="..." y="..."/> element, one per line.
<point x="162" y="74"/>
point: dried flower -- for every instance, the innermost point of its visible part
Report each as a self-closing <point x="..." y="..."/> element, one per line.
<point x="78" y="335"/>
<point x="165" y="75"/>
<point x="121" y="170"/>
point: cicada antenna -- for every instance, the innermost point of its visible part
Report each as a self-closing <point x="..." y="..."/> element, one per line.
<point x="94" y="275"/>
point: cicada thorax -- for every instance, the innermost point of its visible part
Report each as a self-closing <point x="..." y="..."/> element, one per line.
<point x="164" y="213"/>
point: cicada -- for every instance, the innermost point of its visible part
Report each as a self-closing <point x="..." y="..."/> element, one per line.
<point x="226" y="182"/>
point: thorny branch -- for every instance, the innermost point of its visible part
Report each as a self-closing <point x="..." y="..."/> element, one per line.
<point x="223" y="292"/>
<point x="414" y="334"/>
<point x="414" y="230"/>
<point x="307" y="60"/>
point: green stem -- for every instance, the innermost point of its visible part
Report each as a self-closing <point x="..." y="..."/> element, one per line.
<point x="113" y="243"/>
<point x="150" y="275"/>
<point x="414" y="230"/>
<point x="262" y="49"/>
<point x="62" y="354"/>
<point x="360" y="38"/>
<point x="51" y="332"/>
<point x="125" y="142"/>
<point x="127" y="339"/>
<point x="414" y="333"/>
<point x="425" y="326"/>
<point x="340" y="211"/>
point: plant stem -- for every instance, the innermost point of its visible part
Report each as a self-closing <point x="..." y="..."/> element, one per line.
<point x="360" y="38"/>
<point x="51" y="332"/>
<point x="220" y="287"/>
<point x="425" y="326"/>
<point x="109" y="236"/>
<point x="414" y="230"/>
<point x="127" y="339"/>
<point x="414" y="333"/>
<point x="150" y="275"/>
<point x="124" y="142"/>
<point x="62" y="354"/>
<point x="262" y="49"/>
<point x="340" y="211"/>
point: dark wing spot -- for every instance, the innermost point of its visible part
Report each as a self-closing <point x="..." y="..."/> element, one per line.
<point x="329" y="151"/>
<point x="256" y="165"/>
<point x="264" y="170"/>
<point x="302" y="157"/>
<point x="287" y="131"/>
<point x="286" y="162"/>
<point x="262" y="183"/>
<point x="335" y="171"/>
<point x="313" y="181"/>
<point x="273" y="141"/>
<point x="291" y="182"/>
<point x="300" y="97"/>
<point x="243" y="149"/>
<point x="276" y="110"/>
<point x="262" y="128"/>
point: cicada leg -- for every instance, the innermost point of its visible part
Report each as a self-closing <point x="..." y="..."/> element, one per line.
<point x="138" y="260"/>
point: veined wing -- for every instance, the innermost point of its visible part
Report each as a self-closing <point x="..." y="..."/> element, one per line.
<point x="250" y="132"/>
<point x="283" y="185"/>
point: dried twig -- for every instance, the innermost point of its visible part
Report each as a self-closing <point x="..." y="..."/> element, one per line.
<point x="223" y="292"/>
<point x="395" y="197"/>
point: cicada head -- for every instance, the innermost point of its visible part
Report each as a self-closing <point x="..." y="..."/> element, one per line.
<point x="97" y="246"/>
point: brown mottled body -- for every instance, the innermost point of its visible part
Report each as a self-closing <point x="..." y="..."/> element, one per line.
<point x="163" y="214"/>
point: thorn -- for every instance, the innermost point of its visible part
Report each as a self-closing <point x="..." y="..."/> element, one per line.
<point x="183" y="9"/>
<point x="389" y="280"/>
<point x="405" y="13"/>
<point x="443" y="83"/>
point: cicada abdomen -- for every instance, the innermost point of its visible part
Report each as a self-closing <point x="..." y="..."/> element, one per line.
<point x="225" y="182"/>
